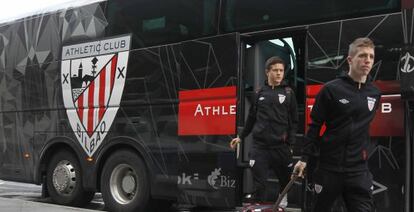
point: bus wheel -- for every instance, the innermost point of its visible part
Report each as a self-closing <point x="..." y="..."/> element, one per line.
<point x="125" y="184"/>
<point x="64" y="180"/>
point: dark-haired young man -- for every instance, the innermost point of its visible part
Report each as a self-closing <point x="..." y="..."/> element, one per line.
<point x="273" y="120"/>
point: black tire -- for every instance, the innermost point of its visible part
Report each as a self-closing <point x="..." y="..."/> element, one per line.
<point x="125" y="183"/>
<point x="64" y="181"/>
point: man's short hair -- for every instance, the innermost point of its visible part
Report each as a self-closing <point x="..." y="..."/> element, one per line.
<point x="273" y="60"/>
<point x="360" y="42"/>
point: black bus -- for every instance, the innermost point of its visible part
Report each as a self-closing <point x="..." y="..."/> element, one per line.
<point x="139" y="99"/>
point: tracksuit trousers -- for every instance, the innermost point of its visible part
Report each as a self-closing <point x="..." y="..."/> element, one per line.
<point x="355" y="189"/>
<point x="277" y="159"/>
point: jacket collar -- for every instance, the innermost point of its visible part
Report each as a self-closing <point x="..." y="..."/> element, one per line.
<point x="282" y="85"/>
<point x="344" y="76"/>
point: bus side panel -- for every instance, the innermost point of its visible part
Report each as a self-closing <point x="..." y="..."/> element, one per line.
<point x="24" y="98"/>
<point x="148" y="112"/>
<point x="30" y="83"/>
<point x="194" y="169"/>
<point x="16" y="146"/>
<point x="207" y="172"/>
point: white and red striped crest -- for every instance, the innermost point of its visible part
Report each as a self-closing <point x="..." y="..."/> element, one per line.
<point x="92" y="86"/>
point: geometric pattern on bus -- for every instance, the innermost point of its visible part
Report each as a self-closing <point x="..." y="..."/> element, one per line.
<point x="31" y="57"/>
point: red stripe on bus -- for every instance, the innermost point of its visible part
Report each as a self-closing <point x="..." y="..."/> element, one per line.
<point x="102" y="93"/>
<point x="113" y="70"/>
<point x="91" y="93"/>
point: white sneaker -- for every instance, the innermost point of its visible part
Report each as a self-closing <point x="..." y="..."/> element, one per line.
<point x="283" y="204"/>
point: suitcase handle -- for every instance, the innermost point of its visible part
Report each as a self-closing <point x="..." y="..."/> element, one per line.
<point x="284" y="192"/>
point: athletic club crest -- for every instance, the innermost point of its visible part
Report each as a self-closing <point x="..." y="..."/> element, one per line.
<point x="371" y="103"/>
<point x="281" y="98"/>
<point x="93" y="78"/>
<point x="318" y="188"/>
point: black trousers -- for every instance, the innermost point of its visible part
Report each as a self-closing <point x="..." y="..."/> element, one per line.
<point x="277" y="159"/>
<point x="355" y="189"/>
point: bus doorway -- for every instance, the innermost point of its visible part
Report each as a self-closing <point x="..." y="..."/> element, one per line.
<point x="255" y="50"/>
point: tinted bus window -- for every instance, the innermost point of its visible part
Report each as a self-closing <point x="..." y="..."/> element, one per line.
<point x="153" y="22"/>
<point x="328" y="47"/>
<point x="243" y="15"/>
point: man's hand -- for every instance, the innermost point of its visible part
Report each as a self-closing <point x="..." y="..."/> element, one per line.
<point x="234" y="142"/>
<point x="299" y="169"/>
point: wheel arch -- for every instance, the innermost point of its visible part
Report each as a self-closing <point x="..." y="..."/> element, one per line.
<point x="47" y="151"/>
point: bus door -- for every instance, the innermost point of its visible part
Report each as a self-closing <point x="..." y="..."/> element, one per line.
<point x="256" y="49"/>
<point x="207" y="170"/>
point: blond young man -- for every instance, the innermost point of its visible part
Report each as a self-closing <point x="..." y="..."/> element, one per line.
<point x="346" y="106"/>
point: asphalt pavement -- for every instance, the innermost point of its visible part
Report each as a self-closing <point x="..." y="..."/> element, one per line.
<point x="17" y="205"/>
<point x="22" y="197"/>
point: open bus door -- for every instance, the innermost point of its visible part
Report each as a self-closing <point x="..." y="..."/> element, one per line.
<point x="256" y="49"/>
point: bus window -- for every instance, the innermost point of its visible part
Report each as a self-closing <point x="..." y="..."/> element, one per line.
<point x="263" y="14"/>
<point x="327" y="54"/>
<point x="153" y="22"/>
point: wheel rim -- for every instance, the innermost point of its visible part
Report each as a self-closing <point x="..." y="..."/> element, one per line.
<point x="64" y="178"/>
<point x="123" y="183"/>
